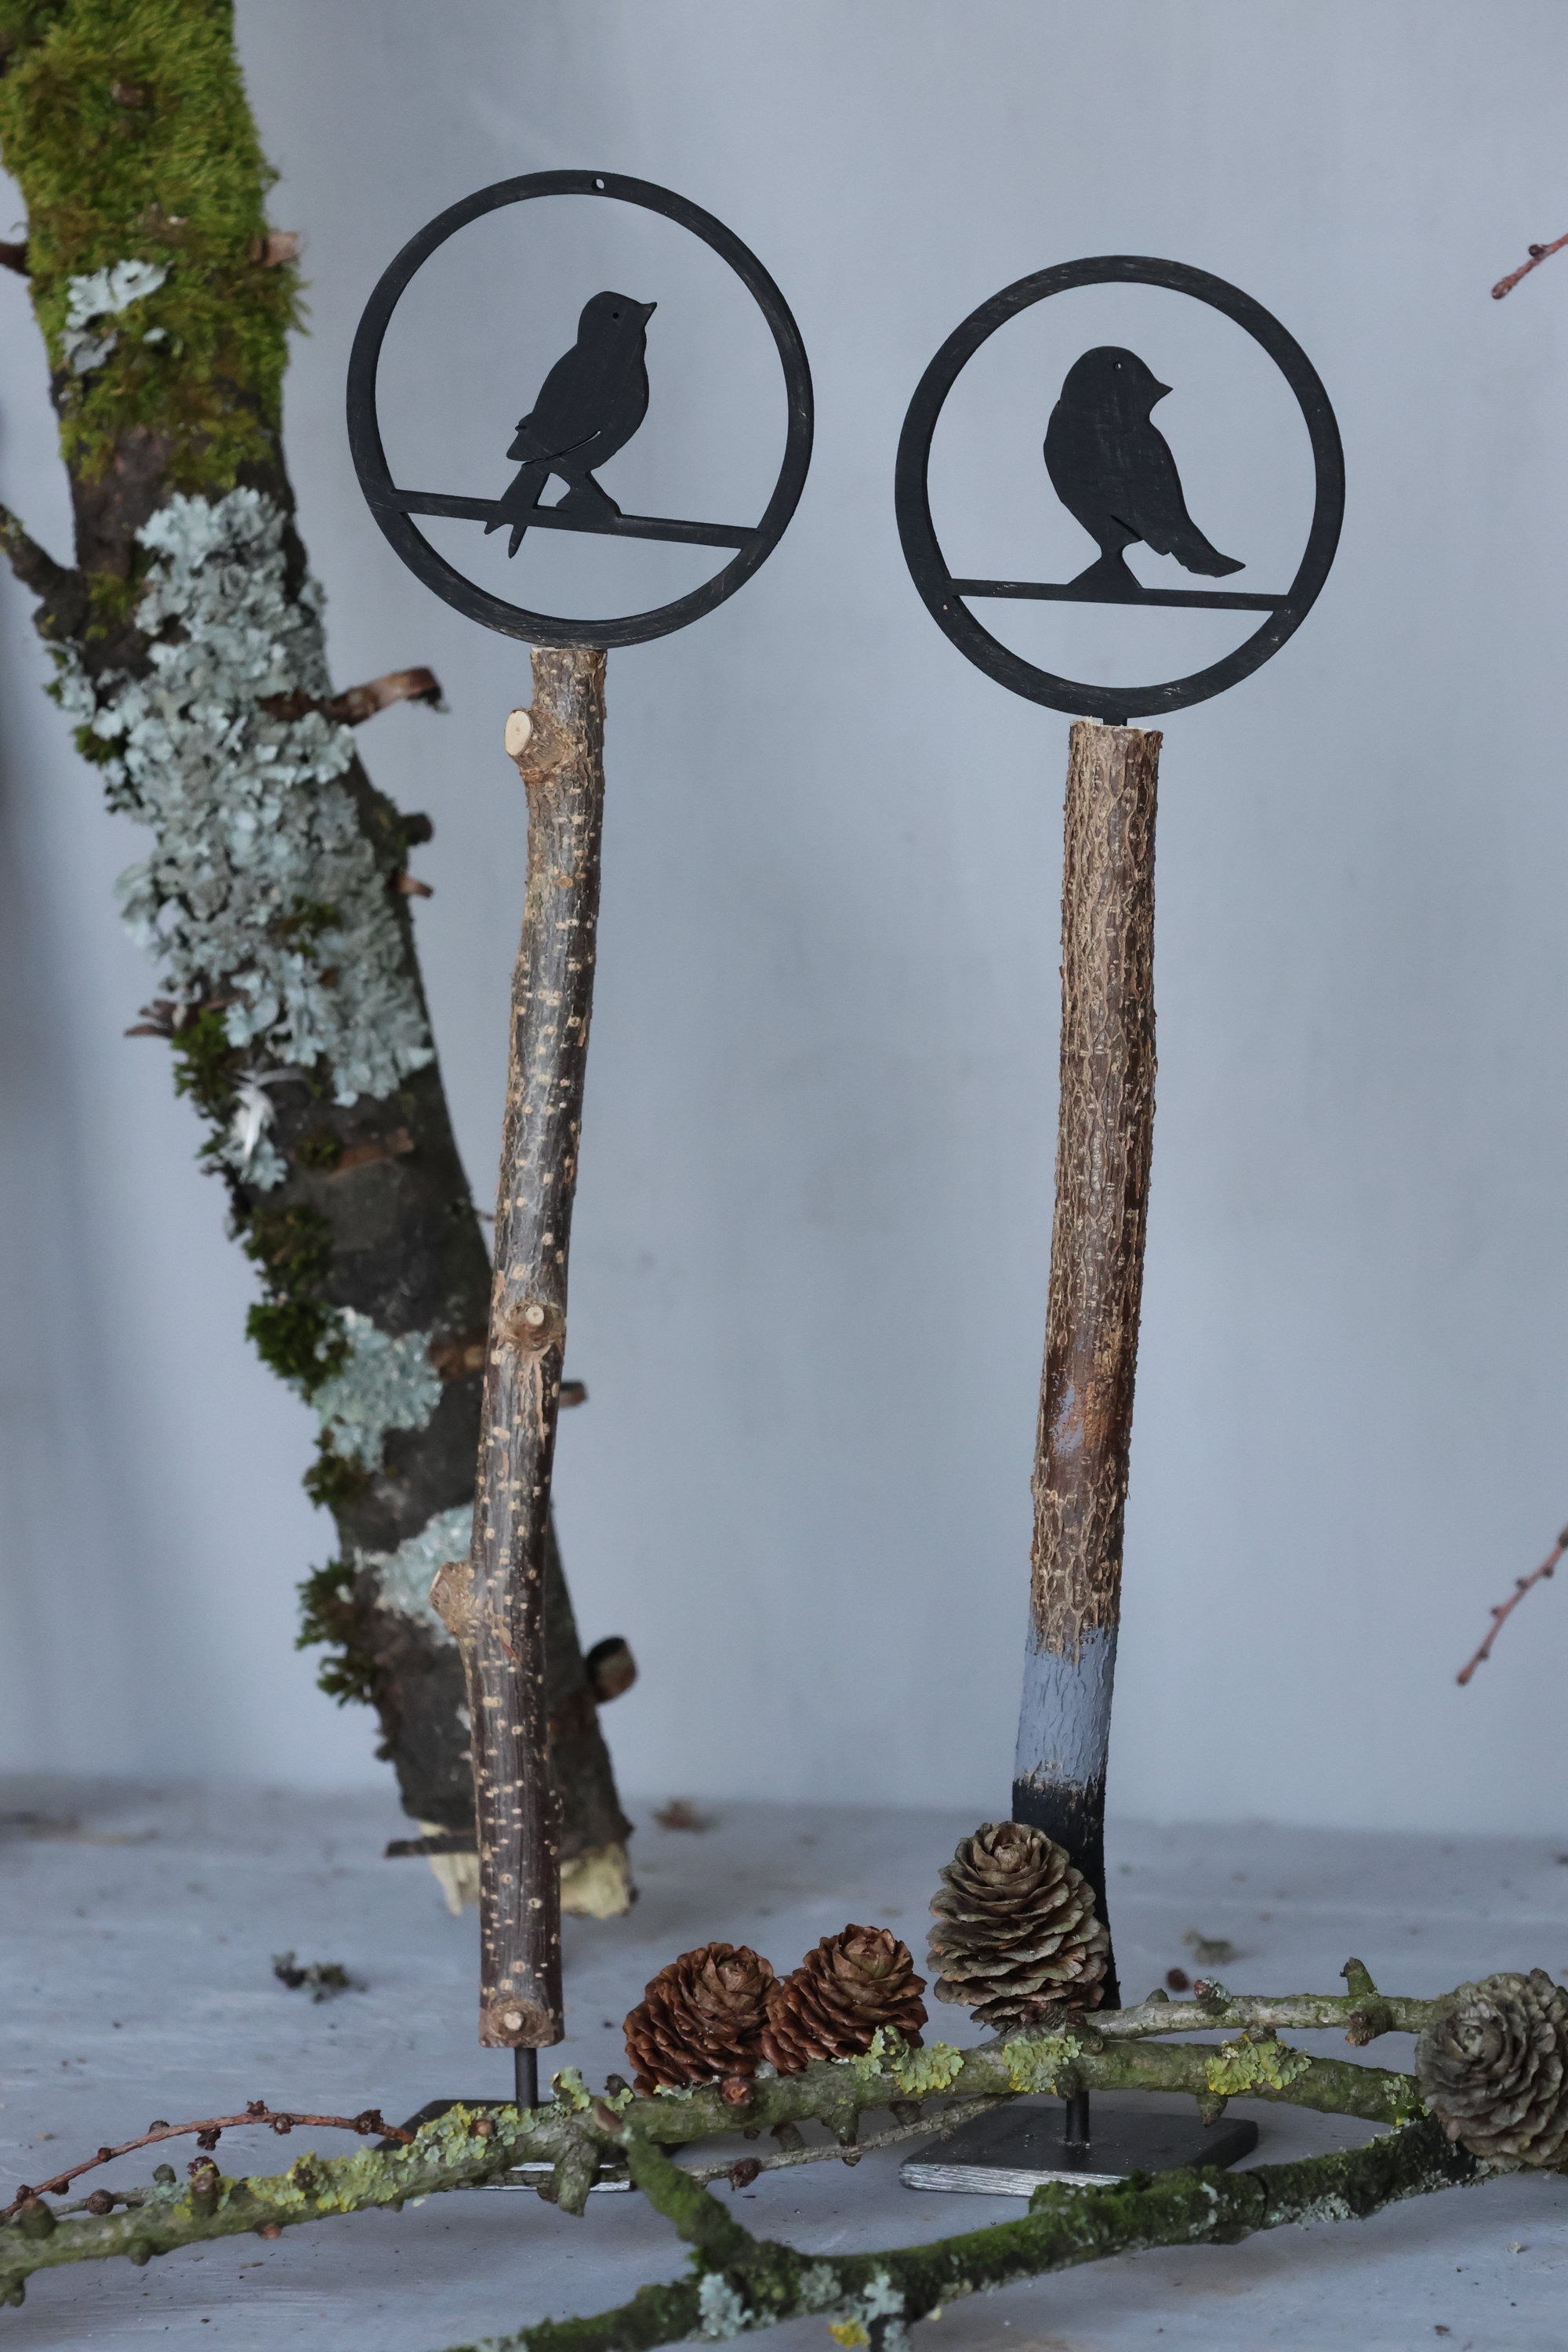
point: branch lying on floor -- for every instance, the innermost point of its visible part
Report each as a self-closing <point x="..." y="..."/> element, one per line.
<point x="740" y="2171"/>
<point x="575" y="2133"/>
<point x="747" y="2282"/>
<point x="1521" y="1584"/>
<point x="1538" y="253"/>
<point x="208" y="2131"/>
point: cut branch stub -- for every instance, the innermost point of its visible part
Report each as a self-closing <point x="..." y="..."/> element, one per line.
<point x="494" y="1604"/>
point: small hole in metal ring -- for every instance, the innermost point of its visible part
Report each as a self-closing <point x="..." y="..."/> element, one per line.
<point x="598" y="184"/>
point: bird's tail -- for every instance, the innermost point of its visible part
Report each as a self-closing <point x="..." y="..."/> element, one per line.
<point x="1200" y="556"/>
<point x="518" y="503"/>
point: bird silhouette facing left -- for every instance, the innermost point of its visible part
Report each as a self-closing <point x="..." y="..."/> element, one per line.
<point x="588" y="406"/>
<point x="1112" y="470"/>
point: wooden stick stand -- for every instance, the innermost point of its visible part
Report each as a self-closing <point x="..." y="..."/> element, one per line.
<point x="493" y="1602"/>
<point x="1104" y="1134"/>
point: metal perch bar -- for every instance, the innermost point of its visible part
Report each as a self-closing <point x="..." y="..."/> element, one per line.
<point x="615" y="526"/>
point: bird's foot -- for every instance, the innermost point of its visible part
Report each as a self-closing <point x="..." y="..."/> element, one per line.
<point x="585" y="497"/>
<point x="1108" y="581"/>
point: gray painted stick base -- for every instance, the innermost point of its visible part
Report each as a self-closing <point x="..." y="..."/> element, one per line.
<point x="1012" y="2153"/>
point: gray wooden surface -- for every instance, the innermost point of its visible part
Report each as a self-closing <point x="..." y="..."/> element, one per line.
<point x="135" y="1980"/>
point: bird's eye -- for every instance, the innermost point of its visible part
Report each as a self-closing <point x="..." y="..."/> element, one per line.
<point x="615" y="314"/>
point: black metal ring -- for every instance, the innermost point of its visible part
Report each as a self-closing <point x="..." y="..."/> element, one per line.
<point x="924" y="557"/>
<point x="370" y="457"/>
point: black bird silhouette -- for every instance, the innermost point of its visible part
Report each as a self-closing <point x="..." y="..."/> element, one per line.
<point x="588" y="406"/>
<point x="1112" y="470"/>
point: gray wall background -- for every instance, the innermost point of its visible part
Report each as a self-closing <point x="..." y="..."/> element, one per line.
<point x="812" y="1234"/>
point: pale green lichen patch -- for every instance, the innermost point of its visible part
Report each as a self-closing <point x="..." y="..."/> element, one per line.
<point x="570" y="2089"/>
<point x="403" y="1578"/>
<point x="1034" y="2061"/>
<point x="724" y="2314"/>
<point x="383" y="1383"/>
<point x="261" y="884"/>
<point x="1239" y="2066"/>
<point x="106" y="294"/>
<point x="916" y="2072"/>
<point x="819" y="2289"/>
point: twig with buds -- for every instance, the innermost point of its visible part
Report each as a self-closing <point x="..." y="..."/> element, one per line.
<point x="1538" y="253"/>
<point x="1521" y="1584"/>
<point x="208" y="2132"/>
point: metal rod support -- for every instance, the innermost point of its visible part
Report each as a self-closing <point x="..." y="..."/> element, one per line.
<point x="526" y="2066"/>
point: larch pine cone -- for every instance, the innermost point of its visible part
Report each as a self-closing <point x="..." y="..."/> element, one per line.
<point x="701" y="2020"/>
<point x="1017" y="1931"/>
<point x="1491" y="2067"/>
<point x="831" y="2006"/>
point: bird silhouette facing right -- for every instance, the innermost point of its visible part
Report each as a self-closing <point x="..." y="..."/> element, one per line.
<point x="1112" y="470"/>
<point x="588" y="406"/>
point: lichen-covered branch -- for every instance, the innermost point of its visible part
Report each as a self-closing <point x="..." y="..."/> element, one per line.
<point x="191" y="657"/>
<point x="576" y="2131"/>
<point x="748" y="2283"/>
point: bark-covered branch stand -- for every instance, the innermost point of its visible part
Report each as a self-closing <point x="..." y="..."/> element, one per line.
<point x="590" y="403"/>
<point x="722" y="2046"/>
<point x="1115" y="474"/>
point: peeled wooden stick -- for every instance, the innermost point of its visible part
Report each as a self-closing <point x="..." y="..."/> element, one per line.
<point x="493" y="1602"/>
<point x="1104" y="1134"/>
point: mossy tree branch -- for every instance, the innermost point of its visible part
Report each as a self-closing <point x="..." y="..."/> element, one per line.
<point x="747" y="2282"/>
<point x="293" y="994"/>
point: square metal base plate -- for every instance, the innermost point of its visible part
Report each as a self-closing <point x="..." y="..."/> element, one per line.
<point x="1013" y="2152"/>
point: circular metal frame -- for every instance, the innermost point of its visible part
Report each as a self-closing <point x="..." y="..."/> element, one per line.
<point x="928" y="569"/>
<point x="370" y="457"/>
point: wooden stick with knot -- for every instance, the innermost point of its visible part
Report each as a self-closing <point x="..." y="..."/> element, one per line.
<point x="493" y="1602"/>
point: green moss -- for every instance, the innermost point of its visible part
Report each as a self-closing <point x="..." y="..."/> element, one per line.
<point x="207" y="1066"/>
<point x="292" y="1329"/>
<point x="112" y="602"/>
<point x="332" y="1482"/>
<point x="327" y="1615"/>
<point x="320" y="1149"/>
<point x="96" y="750"/>
<point x="304" y="926"/>
<point x="179" y="180"/>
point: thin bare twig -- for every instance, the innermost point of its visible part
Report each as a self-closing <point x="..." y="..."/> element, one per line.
<point x="1538" y="253"/>
<point x="1521" y="1584"/>
<point x="207" y="2134"/>
<point x="962" y="2111"/>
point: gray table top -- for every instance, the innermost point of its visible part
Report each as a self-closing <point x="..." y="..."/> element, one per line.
<point x="136" y="1979"/>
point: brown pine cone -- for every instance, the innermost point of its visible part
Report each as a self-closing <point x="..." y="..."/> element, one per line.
<point x="831" y="2006"/>
<point x="1017" y="1931"/>
<point x="702" y="2018"/>
<point x="1491" y="2067"/>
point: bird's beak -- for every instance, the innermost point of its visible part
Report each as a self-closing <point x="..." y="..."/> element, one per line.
<point x="648" y="309"/>
<point x="1160" y="392"/>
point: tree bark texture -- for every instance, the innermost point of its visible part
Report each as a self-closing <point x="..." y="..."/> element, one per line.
<point x="494" y="1603"/>
<point x="1104" y="1135"/>
<point x="155" y="278"/>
